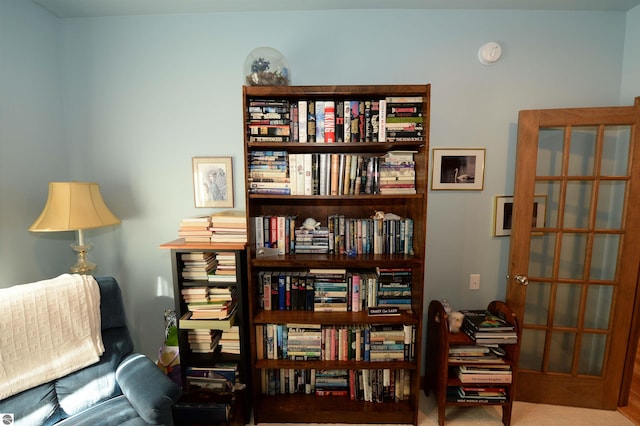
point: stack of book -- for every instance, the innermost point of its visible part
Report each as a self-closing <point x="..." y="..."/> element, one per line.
<point x="303" y="341"/>
<point x="225" y="270"/>
<point x="195" y="229"/>
<point x="230" y="340"/>
<point x="219" y="378"/>
<point x="398" y="173"/>
<point x="477" y="394"/>
<point x="394" y="287"/>
<point x="330" y="290"/>
<point x="389" y="343"/>
<point x="312" y="240"/>
<point x="203" y="341"/>
<point x="269" y="173"/>
<point x="229" y="226"/>
<point x="198" y="265"/>
<point x="473" y="354"/>
<point x="332" y="383"/>
<point x="218" y="303"/>
<point x="269" y="120"/>
<point x="404" y="120"/>
<point x="488" y="329"/>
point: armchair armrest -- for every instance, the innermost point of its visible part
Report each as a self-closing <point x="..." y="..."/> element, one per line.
<point x="148" y="390"/>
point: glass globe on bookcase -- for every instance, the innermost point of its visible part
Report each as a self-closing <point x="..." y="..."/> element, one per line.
<point x="266" y="66"/>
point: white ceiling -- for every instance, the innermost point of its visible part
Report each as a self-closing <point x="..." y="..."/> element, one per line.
<point x="88" y="8"/>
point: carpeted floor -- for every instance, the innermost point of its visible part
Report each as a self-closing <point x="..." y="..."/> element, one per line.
<point x="524" y="414"/>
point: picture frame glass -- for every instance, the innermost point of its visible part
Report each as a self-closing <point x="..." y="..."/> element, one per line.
<point x="503" y="214"/>
<point x="213" y="181"/>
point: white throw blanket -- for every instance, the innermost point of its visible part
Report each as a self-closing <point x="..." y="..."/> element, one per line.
<point x="48" y="329"/>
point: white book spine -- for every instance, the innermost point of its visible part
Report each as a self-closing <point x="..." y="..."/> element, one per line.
<point x="382" y="121"/>
<point x="293" y="174"/>
<point x="259" y="232"/>
<point x="282" y="241"/>
<point x="302" y="121"/>
<point x="308" y="178"/>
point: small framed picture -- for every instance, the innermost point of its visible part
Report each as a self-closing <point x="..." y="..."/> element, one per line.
<point x="213" y="181"/>
<point x="503" y="214"/>
<point x="458" y="169"/>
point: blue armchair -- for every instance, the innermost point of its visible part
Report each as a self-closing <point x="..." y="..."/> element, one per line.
<point x="123" y="388"/>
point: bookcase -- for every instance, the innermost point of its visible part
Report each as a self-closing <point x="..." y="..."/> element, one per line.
<point x="202" y="407"/>
<point x="440" y="375"/>
<point x="310" y="212"/>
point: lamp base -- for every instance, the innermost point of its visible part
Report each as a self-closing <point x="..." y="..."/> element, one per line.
<point x="82" y="266"/>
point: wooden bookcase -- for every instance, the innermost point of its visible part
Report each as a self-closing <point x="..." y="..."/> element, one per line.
<point x="439" y="374"/>
<point x="188" y="358"/>
<point x="301" y="407"/>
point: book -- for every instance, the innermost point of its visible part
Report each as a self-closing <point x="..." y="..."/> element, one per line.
<point x="187" y="322"/>
<point x="483" y="320"/>
<point x="483" y="377"/>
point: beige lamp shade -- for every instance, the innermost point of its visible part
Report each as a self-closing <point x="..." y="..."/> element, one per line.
<point x="74" y="206"/>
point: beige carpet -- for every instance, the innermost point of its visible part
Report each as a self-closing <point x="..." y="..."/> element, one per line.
<point x="524" y="414"/>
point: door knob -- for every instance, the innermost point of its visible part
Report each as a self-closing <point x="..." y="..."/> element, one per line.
<point x="520" y="279"/>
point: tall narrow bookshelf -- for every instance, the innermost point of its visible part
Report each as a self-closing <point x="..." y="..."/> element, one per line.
<point x="375" y="226"/>
<point x="241" y="405"/>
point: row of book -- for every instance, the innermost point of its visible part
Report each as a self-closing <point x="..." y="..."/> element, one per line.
<point x="381" y="234"/>
<point x="209" y="266"/>
<point x="228" y="226"/>
<point x="487" y="328"/>
<point x="391" y="119"/>
<point x="370" y="385"/>
<point x="335" y="290"/>
<point x="281" y="173"/>
<point x="336" y="342"/>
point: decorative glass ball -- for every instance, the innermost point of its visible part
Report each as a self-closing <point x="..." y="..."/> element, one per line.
<point x="266" y="66"/>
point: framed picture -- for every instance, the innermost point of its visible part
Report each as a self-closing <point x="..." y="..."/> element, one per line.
<point x="503" y="214"/>
<point x="213" y="181"/>
<point x="458" y="169"/>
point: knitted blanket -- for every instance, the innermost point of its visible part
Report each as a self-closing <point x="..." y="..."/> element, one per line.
<point x="48" y="329"/>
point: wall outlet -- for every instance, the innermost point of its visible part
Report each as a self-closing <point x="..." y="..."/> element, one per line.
<point x="474" y="282"/>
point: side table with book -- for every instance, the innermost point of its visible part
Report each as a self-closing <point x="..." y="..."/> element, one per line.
<point x="477" y="365"/>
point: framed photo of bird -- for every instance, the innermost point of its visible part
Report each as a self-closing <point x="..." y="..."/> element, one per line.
<point x="458" y="169"/>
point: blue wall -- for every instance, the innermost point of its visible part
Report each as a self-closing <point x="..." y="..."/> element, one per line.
<point x="130" y="100"/>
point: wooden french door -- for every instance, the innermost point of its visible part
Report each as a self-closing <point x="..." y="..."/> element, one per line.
<point x="572" y="282"/>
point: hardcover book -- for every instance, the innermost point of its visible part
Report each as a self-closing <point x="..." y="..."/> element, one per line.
<point x="482" y="319"/>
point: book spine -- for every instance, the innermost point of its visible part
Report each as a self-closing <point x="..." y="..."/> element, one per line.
<point x="329" y="122"/>
<point x="347" y="121"/>
<point x="302" y="121"/>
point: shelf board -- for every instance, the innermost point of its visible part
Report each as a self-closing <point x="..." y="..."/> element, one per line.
<point x="335" y="260"/>
<point x="329" y="318"/>
<point x="310" y="408"/>
<point x="338" y="147"/>
<point x="336" y="365"/>
<point x="180" y="245"/>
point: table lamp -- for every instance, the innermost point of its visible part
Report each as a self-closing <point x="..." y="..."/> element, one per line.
<point x="75" y="206"/>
